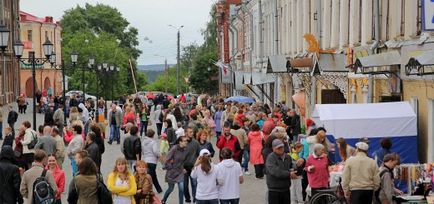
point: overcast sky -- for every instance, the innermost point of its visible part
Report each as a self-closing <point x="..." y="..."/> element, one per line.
<point x="151" y="17"/>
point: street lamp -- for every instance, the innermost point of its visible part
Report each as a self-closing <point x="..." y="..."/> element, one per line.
<point x="52" y="60"/>
<point x="4" y="41"/>
<point x="33" y="61"/>
<point x="177" y="56"/>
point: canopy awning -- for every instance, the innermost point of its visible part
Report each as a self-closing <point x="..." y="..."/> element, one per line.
<point x="247" y="78"/>
<point x="421" y="65"/>
<point x="239" y="75"/>
<point x="332" y="63"/>
<point x="378" y="64"/>
<point x="277" y="64"/>
<point x="262" y="78"/>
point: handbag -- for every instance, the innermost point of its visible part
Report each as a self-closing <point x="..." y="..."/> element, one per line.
<point x="103" y="193"/>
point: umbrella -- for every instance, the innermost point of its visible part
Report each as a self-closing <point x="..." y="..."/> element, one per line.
<point x="240" y="99"/>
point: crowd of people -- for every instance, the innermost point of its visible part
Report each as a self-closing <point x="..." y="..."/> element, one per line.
<point x="295" y="161"/>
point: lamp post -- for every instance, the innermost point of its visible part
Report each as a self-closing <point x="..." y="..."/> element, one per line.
<point x="52" y="60"/>
<point x="33" y="61"/>
<point x="178" y="53"/>
<point x="4" y="40"/>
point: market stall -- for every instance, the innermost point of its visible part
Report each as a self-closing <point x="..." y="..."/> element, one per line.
<point x="375" y="121"/>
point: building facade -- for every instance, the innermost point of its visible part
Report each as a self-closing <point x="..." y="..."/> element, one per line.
<point x="10" y="75"/>
<point x="315" y="51"/>
<point x="34" y="32"/>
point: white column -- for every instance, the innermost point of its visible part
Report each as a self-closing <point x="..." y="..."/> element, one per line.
<point x="306" y="22"/>
<point x="293" y="28"/>
<point x="410" y="20"/>
<point x="326" y="23"/>
<point x="366" y="22"/>
<point x="395" y="18"/>
<point x="299" y="7"/>
<point x="313" y="15"/>
<point x="343" y="23"/>
<point x="354" y="22"/>
<point x="334" y="37"/>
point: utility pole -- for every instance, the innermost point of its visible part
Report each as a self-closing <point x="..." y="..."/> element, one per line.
<point x="177" y="63"/>
<point x="167" y="73"/>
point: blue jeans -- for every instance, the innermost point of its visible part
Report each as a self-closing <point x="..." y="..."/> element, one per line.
<point x="180" y="192"/>
<point x="246" y="159"/>
<point x="230" y="201"/>
<point x="114" y="134"/>
<point x="213" y="201"/>
<point x="74" y="166"/>
<point x="143" y="127"/>
<point x="193" y="181"/>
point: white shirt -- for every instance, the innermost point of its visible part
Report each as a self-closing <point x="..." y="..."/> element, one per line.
<point x="207" y="188"/>
<point x="228" y="177"/>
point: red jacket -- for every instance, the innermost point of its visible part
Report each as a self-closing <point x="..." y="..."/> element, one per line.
<point x="319" y="176"/>
<point x="59" y="177"/>
<point x="232" y="144"/>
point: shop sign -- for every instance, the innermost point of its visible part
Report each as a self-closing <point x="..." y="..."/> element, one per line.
<point x="428" y="15"/>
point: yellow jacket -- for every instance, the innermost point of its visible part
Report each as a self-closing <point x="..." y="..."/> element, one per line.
<point x="122" y="190"/>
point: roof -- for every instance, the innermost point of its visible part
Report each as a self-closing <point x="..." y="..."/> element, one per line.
<point x="262" y="78"/>
<point x="332" y="63"/>
<point x="378" y="60"/>
<point x="277" y="64"/>
<point x="426" y="58"/>
<point x="367" y="120"/>
<point x="27" y="17"/>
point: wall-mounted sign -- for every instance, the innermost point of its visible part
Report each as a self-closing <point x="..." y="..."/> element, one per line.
<point x="428" y="15"/>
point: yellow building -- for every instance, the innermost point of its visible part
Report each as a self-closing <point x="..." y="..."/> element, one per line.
<point x="34" y="32"/>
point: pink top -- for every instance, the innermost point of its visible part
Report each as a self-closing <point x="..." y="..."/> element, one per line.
<point x="319" y="176"/>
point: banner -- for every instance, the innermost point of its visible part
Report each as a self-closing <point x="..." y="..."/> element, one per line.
<point x="225" y="73"/>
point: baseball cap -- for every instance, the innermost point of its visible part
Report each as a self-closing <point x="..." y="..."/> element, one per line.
<point x="277" y="143"/>
<point x="362" y="145"/>
<point x="203" y="152"/>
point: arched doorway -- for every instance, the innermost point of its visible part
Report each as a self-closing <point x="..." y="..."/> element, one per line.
<point x="47" y="83"/>
<point x="29" y="87"/>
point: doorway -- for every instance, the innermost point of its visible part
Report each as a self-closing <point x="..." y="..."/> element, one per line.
<point x="332" y="96"/>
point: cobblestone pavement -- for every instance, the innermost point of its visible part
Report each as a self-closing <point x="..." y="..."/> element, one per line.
<point x="252" y="190"/>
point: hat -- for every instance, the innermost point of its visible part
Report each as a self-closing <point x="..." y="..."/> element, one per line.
<point x="362" y="145"/>
<point x="277" y="143"/>
<point x="364" y="139"/>
<point x="203" y="152"/>
<point x="163" y="135"/>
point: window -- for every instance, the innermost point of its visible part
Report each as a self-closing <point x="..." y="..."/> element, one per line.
<point x="46" y="34"/>
<point x="29" y="35"/>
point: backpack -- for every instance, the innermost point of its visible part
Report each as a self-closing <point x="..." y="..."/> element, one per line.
<point x="42" y="191"/>
<point x="34" y="141"/>
<point x="104" y="194"/>
<point x="377" y="192"/>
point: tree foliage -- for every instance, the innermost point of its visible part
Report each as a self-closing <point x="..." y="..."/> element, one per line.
<point x="101" y="31"/>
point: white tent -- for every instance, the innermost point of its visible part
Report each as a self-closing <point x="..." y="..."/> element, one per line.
<point x="367" y="120"/>
<point x="396" y="120"/>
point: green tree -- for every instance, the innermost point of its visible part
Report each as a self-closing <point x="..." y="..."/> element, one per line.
<point x="102" y="32"/>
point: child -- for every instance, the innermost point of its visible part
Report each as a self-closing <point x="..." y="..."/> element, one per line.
<point x="144" y="193"/>
<point x="296" y="186"/>
<point x="164" y="148"/>
<point x="180" y="131"/>
<point x="295" y="151"/>
<point x="9" y="137"/>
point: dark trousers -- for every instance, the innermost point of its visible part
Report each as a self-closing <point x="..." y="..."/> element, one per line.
<point x="11" y="125"/>
<point x="259" y="170"/>
<point x="152" y="171"/>
<point x="275" y="197"/>
<point x="230" y="201"/>
<point x="159" y="127"/>
<point x="361" y="196"/>
<point x="188" y="179"/>
<point x="28" y="160"/>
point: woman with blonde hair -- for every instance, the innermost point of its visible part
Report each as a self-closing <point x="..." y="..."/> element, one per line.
<point x="73" y="114"/>
<point x="122" y="183"/>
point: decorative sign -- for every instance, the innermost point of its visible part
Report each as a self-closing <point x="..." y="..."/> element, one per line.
<point x="428" y="15"/>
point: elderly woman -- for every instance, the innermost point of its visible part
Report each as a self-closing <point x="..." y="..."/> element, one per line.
<point x="317" y="169"/>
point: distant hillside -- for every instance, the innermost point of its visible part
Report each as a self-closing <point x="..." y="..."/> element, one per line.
<point x="152" y="67"/>
<point x="152" y="75"/>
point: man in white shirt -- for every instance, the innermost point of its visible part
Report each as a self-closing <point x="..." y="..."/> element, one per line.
<point x="74" y="146"/>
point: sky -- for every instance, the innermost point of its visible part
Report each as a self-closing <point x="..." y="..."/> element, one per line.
<point x="150" y="17"/>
